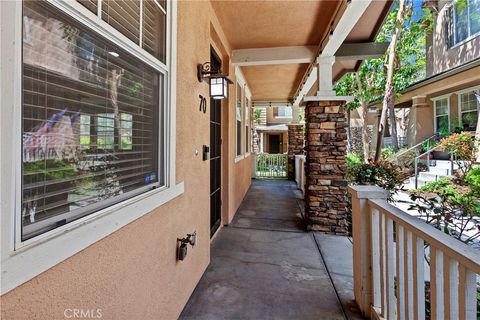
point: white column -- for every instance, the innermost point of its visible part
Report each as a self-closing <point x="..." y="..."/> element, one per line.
<point x="295" y="113"/>
<point x="261" y="143"/>
<point x="325" y="81"/>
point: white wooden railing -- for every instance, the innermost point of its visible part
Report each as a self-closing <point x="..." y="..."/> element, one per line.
<point x="390" y="249"/>
<point x="300" y="172"/>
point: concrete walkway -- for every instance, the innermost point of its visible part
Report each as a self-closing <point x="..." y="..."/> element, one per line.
<point x="265" y="266"/>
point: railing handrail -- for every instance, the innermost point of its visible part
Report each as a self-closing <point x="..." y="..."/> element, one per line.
<point x="415" y="146"/>
<point x="428" y="162"/>
<point x="460" y="251"/>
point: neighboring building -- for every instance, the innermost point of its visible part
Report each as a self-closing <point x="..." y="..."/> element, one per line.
<point x="113" y="148"/>
<point x="445" y="101"/>
<point x="271" y="129"/>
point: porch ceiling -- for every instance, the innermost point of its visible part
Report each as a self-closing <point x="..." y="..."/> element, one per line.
<point x="272" y="24"/>
<point x="274" y="82"/>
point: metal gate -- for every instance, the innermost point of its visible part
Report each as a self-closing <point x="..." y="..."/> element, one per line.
<point x="273" y="166"/>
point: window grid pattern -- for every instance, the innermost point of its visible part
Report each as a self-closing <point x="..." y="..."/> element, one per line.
<point x="468" y="111"/>
<point x="91" y="121"/>
<point x="462" y="23"/>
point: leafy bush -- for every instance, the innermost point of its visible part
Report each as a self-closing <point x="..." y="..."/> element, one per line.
<point x="353" y="160"/>
<point x="473" y="179"/>
<point x="462" y="145"/>
<point x="450" y="205"/>
<point x="387" y="154"/>
<point x="384" y="174"/>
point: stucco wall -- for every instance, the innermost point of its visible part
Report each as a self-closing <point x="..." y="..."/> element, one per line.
<point x="133" y="273"/>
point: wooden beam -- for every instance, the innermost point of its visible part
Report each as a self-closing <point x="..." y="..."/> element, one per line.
<point x="361" y="51"/>
<point x="348" y="20"/>
<point x="276" y="55"/>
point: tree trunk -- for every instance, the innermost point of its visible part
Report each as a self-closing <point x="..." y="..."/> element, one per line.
<point x="389" y="96"/>
<point x="349" y="132"/>
<point x="363" y="116"/>
<point x="393" y="124"/>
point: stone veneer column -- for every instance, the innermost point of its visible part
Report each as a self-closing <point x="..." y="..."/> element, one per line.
<point x="325" y="146"/>
<point x="296" y="142"/>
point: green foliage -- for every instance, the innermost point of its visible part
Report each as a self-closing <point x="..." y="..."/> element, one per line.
<point x="256" y="115"/>
<point x="410" y="66"/>
<point x="387" y="154"/>
<point x="347" y="87"/>
<point x="473" y="180"/>
<point x="384" y="174"/>
<point x="52" y="169"/>
<point x="461" y="144"/>
<point x="353" y="160"/>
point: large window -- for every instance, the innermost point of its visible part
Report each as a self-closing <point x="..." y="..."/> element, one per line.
<point x="442" y="116"/>
<point x="92" y="112"/>
<point x="463" y="22"/>
<point x="468" y="111"/>
<point x="283" y="112"/>
<point x="238" y="117"/>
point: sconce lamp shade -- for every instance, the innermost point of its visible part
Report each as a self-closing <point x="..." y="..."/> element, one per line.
<point x="219" y="87"/>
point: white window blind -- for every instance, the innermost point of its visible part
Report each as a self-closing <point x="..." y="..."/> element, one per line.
<point x="91" y="115"/>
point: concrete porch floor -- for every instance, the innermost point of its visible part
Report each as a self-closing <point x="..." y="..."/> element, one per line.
<point x="265" y="266"/>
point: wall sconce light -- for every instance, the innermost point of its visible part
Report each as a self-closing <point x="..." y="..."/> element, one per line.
<point x="218" y="82"/>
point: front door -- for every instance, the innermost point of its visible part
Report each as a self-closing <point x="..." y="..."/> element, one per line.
<point x="274" y="143"/>
<point x="215" y="154"/>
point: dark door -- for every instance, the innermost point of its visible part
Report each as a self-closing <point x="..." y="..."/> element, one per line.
<point x="274" y="143"/>
<point x="215" y="154"/>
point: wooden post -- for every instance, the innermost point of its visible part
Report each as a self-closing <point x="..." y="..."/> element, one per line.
<point x="362" y="243"/>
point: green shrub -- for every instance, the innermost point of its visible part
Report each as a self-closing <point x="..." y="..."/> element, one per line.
<point x="473" y="180"/>
<point x="353" y="160"/>
<point x="384" y="174"/>
<point x="462" y="145"/>
<point x="387" y="154"/>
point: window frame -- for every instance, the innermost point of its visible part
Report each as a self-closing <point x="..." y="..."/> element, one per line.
<point x="23" y="260"/>
<point x="248" y="122"/>
<point x="459" y="97"/>
<point x="451" y="26"/>
<point x="435" y="115"/>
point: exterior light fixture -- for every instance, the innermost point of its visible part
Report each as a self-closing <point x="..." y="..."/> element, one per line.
<point x="218" y="82"/>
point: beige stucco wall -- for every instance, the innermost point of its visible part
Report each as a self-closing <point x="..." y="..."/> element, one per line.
<point x="447" y="58"/>
<point x="133" y="273"/>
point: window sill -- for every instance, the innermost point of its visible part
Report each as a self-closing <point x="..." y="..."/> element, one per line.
<point x="283" y="117"/>
<point x="42" y="254"/>
<point x="461" y="43"/>
<point x="248" y="154"/>
<point x="239" y="158"/>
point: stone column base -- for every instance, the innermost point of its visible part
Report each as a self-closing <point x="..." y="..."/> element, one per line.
<point x="296" y="142"/>
<point x="325" y="147"/>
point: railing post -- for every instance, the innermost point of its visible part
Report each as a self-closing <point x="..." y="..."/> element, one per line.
<point x="362" y="243"/>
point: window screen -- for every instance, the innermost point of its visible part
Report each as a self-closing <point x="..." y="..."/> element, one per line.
<point x="91" y="118"/>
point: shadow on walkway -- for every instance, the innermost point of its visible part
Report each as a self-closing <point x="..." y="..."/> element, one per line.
<point x="265" y="266"/>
